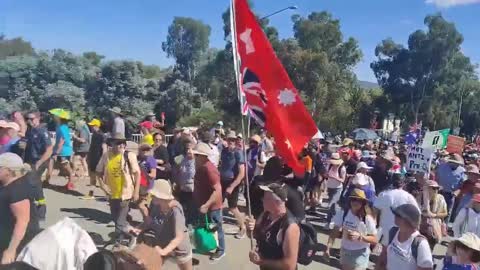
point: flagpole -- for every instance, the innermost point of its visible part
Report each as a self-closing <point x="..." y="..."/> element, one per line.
<point x="233" y="33"/>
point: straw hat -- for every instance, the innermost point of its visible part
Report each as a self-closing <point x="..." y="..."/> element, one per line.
<point x="335" y="159"/>
<point x="347" y="142"/>
<point x="469" y="240"/>
<point x="358" y="194"/>
<point x="256" y="138"/>
<point x="473" y="171"/>
<point x="162" y="190"/>
<point x="202" y="149"/>
<point x="456" y="159"/>
<point x="231" y="135"/>
<point x="432" y="184"/>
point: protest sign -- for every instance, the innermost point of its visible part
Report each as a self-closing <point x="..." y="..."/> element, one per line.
<point x="455" y="144"/>
<point x="419" y="159"/>
<point x="436" y="139"/>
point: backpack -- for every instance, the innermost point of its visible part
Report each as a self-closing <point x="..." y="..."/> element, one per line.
<point x="415" y="243"/>
<point x="308" y="240"/>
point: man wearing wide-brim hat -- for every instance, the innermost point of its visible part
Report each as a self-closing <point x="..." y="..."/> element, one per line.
<point x="118" y="121"/>
<point x="450" y="176"/>
<point x="120" y="179"/>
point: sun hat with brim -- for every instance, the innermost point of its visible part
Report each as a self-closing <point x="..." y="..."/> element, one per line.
<point x="358" y="194"/>
<point x="456" y="159"/>
<point x="117" y="137"/>
<point x="60" y="113"/>
<point x="277" y="189"/>
<point x="363" y="165"/>
<point x="408" y="212"/>
<point x="202" y="149"/>
<point x="12" y="161"/>
<point x="11" y="125"/>
<point x="472" y="170"/>
<point x="360" y="179"/>
<point x="469" y="240"/>
<point x="432" y="184"/>
<point x="231" y="135"/>
<point x="256" y="138"/>
<point x="95" y="123"/>
<point x="116" y="110"/>
<point x="162" y="190"/>
<point x="335" y="159"/>
<point x="347" y="142"/>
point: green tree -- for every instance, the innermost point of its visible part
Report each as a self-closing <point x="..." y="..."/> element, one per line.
<point x="14" y="47"/>
<point x="187" y="40"/>
<point x="179" y="99"/>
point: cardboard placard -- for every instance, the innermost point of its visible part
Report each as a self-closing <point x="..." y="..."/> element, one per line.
<point x="436" y="139"/>
<point x="419" y="159"/>
<point x="455" y="144"/>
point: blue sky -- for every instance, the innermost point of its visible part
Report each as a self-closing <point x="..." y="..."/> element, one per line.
<point x="126" y="29"/>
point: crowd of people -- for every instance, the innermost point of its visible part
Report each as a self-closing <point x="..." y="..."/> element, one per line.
<point x="372" y="203"/>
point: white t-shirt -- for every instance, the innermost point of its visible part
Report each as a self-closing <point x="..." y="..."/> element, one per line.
<point x="463" y="224"/>
<point x="387" y="200"/>
<point x="399" y="255"/>
<point x="334" y="172"/>
<point x="353" y="223"/>
<point x="214" y="156"/>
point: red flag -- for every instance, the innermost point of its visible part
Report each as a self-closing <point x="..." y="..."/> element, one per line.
<point x="271" y="97"/>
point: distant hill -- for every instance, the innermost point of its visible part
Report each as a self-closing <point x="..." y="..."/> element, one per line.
<point x="368" y="85"/>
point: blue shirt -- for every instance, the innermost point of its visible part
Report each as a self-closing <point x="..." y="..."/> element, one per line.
<point x="63" y="132"/>
<point x="38" y="140"/>
<point x="450" y="180"/>
<point x="230" y="162"/>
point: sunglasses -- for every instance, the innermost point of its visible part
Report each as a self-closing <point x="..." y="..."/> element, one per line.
<point x="30" y="118"/>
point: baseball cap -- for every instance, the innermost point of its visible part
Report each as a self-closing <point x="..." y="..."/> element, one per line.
<point x="95" y="123"/>
<point x="408" y="212"/>
<point x="277" y="189"/>
<point x="363" y="165"/>
<point x="11" y="161"/>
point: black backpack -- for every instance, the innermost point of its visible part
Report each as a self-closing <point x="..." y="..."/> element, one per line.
<point x="415" y="243"/>
<point x="308" y="240"/>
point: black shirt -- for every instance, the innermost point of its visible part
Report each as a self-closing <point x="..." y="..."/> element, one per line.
<point x="38" y="140"/>
<point x="16" y="191"/>
<point x="161" y="152"/>
<point x="351" y="166"/>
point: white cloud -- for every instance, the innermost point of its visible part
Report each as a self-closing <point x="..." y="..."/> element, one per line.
<point x="451" y="3"/>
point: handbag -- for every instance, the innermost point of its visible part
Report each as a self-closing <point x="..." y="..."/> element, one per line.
<point x="204" y="237"/>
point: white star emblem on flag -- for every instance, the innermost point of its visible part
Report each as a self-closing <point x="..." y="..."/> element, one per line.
<point x="289" y="145"/>
<point x="286" y="97"/>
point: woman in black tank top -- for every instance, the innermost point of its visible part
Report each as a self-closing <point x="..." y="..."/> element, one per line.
<point x="276" y="232"/>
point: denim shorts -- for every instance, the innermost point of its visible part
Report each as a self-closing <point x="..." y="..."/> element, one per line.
<point x="355" y="259"/>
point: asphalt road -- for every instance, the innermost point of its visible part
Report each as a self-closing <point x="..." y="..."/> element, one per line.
<point x="94" y="217"/>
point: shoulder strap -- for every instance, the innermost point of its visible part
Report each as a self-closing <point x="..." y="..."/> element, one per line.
<point x="127" y="162"/>
<point x="391" y="234"/>
<point x="415" y="243"/>
<point x="345" y="213"/>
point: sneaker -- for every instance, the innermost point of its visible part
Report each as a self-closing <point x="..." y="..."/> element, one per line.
<point x="217" y="255"/>
<point x="241" y="234"/>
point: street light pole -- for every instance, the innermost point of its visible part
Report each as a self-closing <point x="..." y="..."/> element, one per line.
<point x="279" y="11"/>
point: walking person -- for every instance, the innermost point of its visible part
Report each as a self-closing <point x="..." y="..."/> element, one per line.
<point x="97" y="148"/>
<point x="18" y="222"/>
<point x="38" y="150"/>
<point x="391" y="199"/>
<point x="183" y="175"/>
<point x="167" y="221"/>
<point x="232" y="173"/>
<point x="208" y="194"/>
<point x="148" y="174"/>
<point x="120" y="178"/>
<point x="337" y="174"/>
<point x="160" y="153"/>
<point x="81" y="146"/>
<point x="450" y="176"/>
<point x="63" y="149"/>
<point x="358" y="229"/>
<point x="434" y="211"/>
<point x="146" y="130"/>
<point x="407" y="248"/>
<point x="276" y="232"/>
<point x="118" y="125"/>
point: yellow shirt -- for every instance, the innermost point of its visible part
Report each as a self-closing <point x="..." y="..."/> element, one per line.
<point x="116" y="178"/>
<point x="148" y="139"/>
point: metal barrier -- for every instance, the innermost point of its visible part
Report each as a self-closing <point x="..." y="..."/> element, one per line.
<point x="136" y="138"/>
